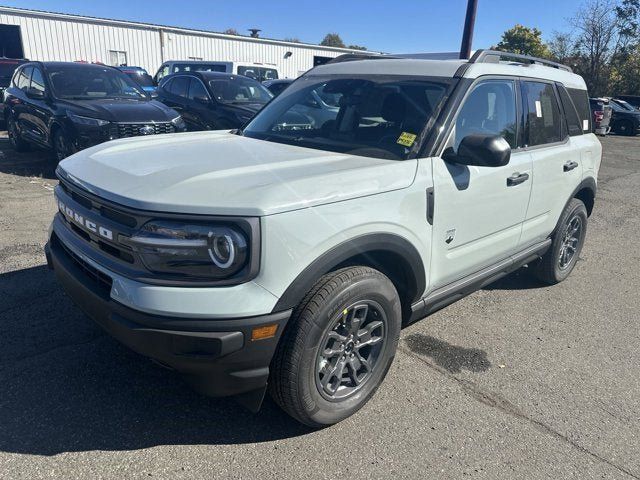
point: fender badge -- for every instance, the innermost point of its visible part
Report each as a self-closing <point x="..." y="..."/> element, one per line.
<point x="449" y="236"/>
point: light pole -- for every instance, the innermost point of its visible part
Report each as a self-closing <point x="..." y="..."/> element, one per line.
<point x="467" y="34"/>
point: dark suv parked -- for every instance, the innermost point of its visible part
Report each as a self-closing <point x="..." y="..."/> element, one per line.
<point x="625" y="119"/>
<point x="213" y="100"/>
<point x="71" y="106"/>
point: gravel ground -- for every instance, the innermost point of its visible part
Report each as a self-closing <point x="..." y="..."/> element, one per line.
<point x="515" y="381"/>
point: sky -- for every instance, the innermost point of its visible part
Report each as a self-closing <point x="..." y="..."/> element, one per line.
<point x="388" y="26"/>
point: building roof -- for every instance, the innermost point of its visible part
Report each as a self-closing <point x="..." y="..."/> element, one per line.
<point x="167" y="28"/>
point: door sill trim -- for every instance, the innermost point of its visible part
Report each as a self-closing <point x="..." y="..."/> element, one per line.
<point x="454" y="291"/>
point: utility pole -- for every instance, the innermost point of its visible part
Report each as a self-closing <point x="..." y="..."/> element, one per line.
<point x="467" y="34"/>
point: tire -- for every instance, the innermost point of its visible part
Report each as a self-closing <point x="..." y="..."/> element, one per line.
<point x="16" y="141"/>
<point x="62" y="146"/>
<point x="625" y="128"/>
<point x="317" y="345"/>
<point x="556" y="265"/>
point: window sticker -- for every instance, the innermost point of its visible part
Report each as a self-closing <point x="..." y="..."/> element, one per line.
<point x="585" y="125"/>
<point x="538" y="109"/>
<point x="406" y="139"/>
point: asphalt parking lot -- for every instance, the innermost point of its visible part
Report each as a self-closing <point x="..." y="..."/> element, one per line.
<point x="515" y="381"/>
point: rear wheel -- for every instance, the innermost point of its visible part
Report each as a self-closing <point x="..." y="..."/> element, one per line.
<point x="625" y="128"/>
<point x="338" y="346"/>
<point x="16" y="141"/>
<point x="567" y="242"/>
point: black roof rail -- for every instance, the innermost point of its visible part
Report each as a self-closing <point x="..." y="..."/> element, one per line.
<point x="350" y="57"/>
<point x="494" y="56"/>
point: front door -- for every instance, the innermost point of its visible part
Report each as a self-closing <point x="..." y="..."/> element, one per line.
<point x="479" y="211"/>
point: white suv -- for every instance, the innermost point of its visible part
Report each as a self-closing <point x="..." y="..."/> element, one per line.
<point x="287" y="256"/>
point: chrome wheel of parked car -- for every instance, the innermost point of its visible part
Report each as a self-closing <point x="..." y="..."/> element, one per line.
<point x="350" y="350"/>
<point x="18" y="144"/>
<point x="61" y="146"/>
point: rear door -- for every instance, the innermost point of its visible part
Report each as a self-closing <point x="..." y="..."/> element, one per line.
<point x="553" y="145"/>
<point x="200" y="106"/>
<point x="479" y="211"/>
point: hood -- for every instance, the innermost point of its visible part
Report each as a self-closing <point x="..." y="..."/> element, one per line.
<point x="219" y="173"/>
<point x="121" y="110"/>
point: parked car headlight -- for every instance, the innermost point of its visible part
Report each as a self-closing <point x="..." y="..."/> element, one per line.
<point x="178" y="122"/>
<point x="92" y="122"/>
<point x="191" y="248"/>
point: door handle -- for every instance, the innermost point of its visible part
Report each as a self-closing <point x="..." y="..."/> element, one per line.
<point x="517" y="179"/>
<point x="569" y="166"/>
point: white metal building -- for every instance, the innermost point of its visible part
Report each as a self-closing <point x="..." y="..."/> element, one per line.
<point x="41" y="35"/>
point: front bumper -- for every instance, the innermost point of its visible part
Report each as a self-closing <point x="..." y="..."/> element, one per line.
<point x="216" y="356"/>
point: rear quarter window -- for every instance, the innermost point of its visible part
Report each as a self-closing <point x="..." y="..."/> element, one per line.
<point x="573" y="118"/>
<point x="581" y="101"/>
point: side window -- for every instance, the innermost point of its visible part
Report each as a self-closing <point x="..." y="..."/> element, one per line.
<point x="197" y="90"/>
<point x="490" y="108"/>
<point x="179" y="86"/>
<point x="37" y="81"/>
<point x="543" y="122"/>
<point x="570" y="113"/>
<point x="581" y="101"/>
<point x="163" y="72"/>
<point x="166" y="86"/>
<point x="24" y="78"/>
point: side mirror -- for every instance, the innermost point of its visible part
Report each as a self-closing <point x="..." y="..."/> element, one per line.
<point x="480" y="150"/>
<point x="202" y="100"/>
<point x="35" y="93"/>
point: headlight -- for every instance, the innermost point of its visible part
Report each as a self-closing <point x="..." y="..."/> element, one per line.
<point x="92" y="122"/>
<point x="191" y="248"/>
<point x="178" y="122"/>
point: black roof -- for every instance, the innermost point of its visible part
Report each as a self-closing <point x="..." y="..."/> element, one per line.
<point x="203" y="75"/>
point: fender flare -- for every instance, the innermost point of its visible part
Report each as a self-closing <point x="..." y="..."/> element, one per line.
<point x="363" y="246"/>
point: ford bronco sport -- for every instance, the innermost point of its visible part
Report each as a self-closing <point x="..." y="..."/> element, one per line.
<point x="286" y="257"/>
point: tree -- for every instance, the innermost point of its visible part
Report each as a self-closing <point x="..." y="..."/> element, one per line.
<point x="525" y="41"/>
<point x="597" y="30"/>
<point x="231" y="31"/>
<point x="357" y="47"/>
<point x="561" y="47"/>
<point x="332" y="40"/>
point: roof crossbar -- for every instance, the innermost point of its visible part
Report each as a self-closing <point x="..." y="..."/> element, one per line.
<point x="494" y="56"/>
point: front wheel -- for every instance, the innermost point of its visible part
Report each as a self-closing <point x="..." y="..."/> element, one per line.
<point x="338" y="346"/>
<point x="625" y="128"/>
<point x="567" y="242"/>
<point x="62" y="146"/>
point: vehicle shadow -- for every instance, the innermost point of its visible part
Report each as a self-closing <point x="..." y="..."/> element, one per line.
<point x="67" y="386"/>
<point x="452" y="358"/>
<point x="521" y="279"/>
<point x="34" y="163"/>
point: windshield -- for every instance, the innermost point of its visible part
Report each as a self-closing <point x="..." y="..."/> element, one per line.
<point x="373" y="116"/>
<point x="88" y="82"/>
<point x="239" y="90"/>
<point x="625" y="105"/>
<point x="141" y="78"/>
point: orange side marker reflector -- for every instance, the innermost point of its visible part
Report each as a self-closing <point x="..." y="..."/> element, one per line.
<point x="266" y="331"/>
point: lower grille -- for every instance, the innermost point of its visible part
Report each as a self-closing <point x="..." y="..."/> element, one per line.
<point x="124" y="130"/>
<point x="101" y="280"/>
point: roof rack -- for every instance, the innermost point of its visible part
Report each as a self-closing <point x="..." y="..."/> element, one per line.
<point x="350" y="57"/>
<point x="494" y="56"/>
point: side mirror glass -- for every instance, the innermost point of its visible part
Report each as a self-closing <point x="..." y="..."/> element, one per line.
<point x="480" y="150"/>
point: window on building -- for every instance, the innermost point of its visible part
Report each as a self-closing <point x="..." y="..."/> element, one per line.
<point x="117" y="58"/>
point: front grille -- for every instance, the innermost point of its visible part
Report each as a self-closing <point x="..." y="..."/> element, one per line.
<point x="125" y="130"/>
<point x="101" y="280"/>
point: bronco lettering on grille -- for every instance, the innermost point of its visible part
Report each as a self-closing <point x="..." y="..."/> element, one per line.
<point x="85" y="222"/>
